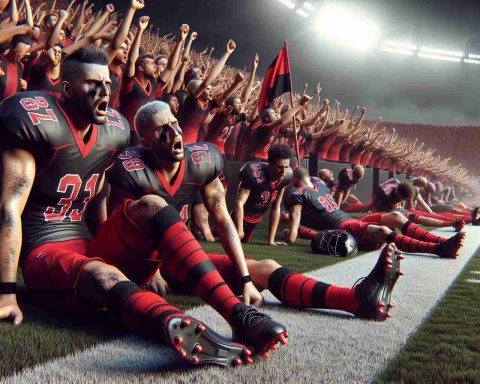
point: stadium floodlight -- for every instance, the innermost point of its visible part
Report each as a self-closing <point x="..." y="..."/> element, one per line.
<point x="400" y="45"/>
<point x="471" y="61"/>
<point x="398" y="50"/>
<point x="308" y="6"/>
<point x="346" y="26"/>
<point x="473" y="56"/>
<point x="290" y="4"/>
<point x="302" y="12"/>
<point x="439" y="57"/>
<point x="441" y="52"/>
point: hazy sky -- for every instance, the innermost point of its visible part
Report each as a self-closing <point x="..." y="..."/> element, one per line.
<point x="398" y="88"/>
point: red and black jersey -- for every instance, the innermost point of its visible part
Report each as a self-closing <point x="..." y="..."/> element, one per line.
<point x="333" y="153"/>
<point x="254" y="176"/>
<point x="133" y="95"/>
<point x="319" y="208"/>
<point x="115" y="86"/>
<point x="68" y="169"/>
<point x="383" y="194"/>
<point x="222" y="127"/>
<point x="262" y="139"/>
<point x="40" y="80"/>
<point x="345" y="180"/>
<point x="192" y="116"/>
<point x="9" y="83"/>
<point x="134" y="171"/>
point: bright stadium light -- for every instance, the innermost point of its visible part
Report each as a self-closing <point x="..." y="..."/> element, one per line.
<point x="308" y="6"/>
<point x="439" y="57"/>
<point x="400" y="45"/>
<point x="473" y="56"/>
<point x="398" y="50"/>
<point x="471" y="61"/>
<point x="441" y="52"/>
<point x="346" y="26"/>
<point x="302" y="12"/>
<point x="288" y="3"/>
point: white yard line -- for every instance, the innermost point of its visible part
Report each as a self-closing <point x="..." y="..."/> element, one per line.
<point x="325" y="346"/>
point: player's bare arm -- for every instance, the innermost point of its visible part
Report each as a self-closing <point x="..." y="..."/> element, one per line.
<point x="295" y="214"/>
<point x="213" y="195"/>
<point x="17" y="179"/>
<point x="238" y="212"/>
<point x="274" y="218"/>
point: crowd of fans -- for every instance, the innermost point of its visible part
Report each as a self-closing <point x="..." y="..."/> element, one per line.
<point x="212" y="101"/>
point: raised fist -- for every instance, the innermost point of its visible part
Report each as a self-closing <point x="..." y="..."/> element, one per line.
<point x="143" y="22"/>
<point x="239" y="77"/>
<point x="137" y="4"/>
<point x="109" y="8"/>
<point x="193" y="36"/>
<point x="256" y="59"/>
<point x="305" y="100"/>
<point x="63" y="14"/>
<point x="184" y="29"/>
<point x="231" y="46"/>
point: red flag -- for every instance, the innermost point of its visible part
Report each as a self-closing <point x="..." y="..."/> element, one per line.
<point x="277" y="80"/>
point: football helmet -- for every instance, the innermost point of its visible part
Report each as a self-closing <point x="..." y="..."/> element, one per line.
<point x="334" y="242"/>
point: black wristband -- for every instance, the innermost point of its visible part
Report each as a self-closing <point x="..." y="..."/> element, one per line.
<point x="8" y="288"/>
<point x="245" y="279"/>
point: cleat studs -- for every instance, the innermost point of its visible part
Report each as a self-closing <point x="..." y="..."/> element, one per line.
<point x="286" y="334"/>
<point x="249" y="360"/>
<point x="400" y="273"/>
<point x="186" y="322"/>
<point x="389" y="265"/>
<point x="197" y="348"/>
<point x="390" y="306"/>
<point x="178" y="340"/>
<point x="274" y="347"/>
<point x="380" y="304"/>
<point x="388" y="315"/>
<point x="237" y="362"/>
<point x="200" y="328"/>
<point x="195" y="360"/>
<point x="183" y="354"/>
<point x="265" y="355"/>
<point x="247" y="352"/>
<point x="282" y="339"/>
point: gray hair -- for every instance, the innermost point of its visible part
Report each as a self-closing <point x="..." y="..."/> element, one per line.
<point x="145" y="113"/>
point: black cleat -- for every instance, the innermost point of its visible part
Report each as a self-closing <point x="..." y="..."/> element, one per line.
<point x="449" y="248"/>
<point x="198" y="344"/>
<point x="458" y="225"/>
<point x="257" y="330"/>
<point x="375" y="291"/>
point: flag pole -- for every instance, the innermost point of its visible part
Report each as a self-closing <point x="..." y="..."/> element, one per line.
<point x="294" y="118"/>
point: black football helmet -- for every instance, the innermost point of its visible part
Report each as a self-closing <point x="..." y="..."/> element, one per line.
<point x="334" y="242"/>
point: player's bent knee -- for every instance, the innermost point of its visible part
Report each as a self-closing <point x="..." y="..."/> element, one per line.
<point x="96" y="280"/>
<point x="146" y="207"/>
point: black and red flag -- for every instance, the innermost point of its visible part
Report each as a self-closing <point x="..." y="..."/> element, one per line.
<point x="277" y="80"/>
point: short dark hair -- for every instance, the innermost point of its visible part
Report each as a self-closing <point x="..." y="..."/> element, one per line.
<point x="168" y="98"/>
<point x="230" y="100"/>
<point x="190" y="75"/>
<point x="19" y="39"/>
<point x="49" y="16"/>
<point x="301" y="173"/>
<point x="279" y="151"/>
<point x="406" y="189"/>
<point x="158" y="58"/>
<point x="141" y="60"/>
<point x="88" y="55"/>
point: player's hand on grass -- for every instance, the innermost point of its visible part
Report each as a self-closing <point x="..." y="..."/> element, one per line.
<point x="278" y="243"/>
<point x="251" y="295"/>
<point x="158" y="285"/>
<point x="9" y="309"/>
<point x="241" y="234"/>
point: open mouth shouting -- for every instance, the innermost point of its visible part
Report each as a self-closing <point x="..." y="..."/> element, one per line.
<point x="101" y="109"/>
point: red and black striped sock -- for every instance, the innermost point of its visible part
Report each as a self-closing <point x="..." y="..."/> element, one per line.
<point x="141" y="311"/>
<point x="305" y="233"/>
<point x="413" y="230"/>
<point x="184" y="260"/>
<point x="299" y="291"/>
<point x="409" y="244"/>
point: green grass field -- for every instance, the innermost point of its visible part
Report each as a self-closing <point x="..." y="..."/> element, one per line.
<point x="446" y="348"/>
